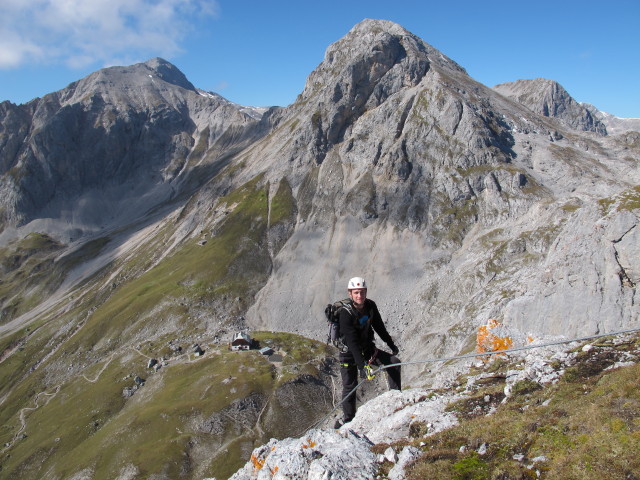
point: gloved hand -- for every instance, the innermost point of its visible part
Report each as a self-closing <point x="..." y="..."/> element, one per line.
<point x="394" y="349"/>
<point x="363" y="373"/>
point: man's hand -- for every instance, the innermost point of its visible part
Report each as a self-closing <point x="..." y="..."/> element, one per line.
<point x="394" y="349"/>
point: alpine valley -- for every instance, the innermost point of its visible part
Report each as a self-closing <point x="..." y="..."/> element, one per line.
<point x="145" y="222"/>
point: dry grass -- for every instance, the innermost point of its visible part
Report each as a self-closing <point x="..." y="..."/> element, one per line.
<point x="585" y="426"/>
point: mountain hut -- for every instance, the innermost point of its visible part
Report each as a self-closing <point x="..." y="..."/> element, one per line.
<point x="241" y="341"/>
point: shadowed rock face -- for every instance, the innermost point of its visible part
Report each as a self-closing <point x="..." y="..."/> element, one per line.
<point x="120" y="133"/>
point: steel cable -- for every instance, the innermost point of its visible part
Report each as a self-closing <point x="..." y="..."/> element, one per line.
<point x="469" y="355"/>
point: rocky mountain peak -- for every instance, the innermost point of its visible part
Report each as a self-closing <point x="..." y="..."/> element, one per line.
<point x="373" y="61"/>
<point x="615" y="125"/>
<point x="548" y="98"/>
<point x="123" y="128"/>
<point x="152" y="81"/>
<point x="169" y="73"/>
<point x="376" y="61"/>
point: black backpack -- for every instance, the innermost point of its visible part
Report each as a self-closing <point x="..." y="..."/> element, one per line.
<point x="332" y="312"/>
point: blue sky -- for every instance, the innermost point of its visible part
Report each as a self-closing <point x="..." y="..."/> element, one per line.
<point x="260" y="52"/>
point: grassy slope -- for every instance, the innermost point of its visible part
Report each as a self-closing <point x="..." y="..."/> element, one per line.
<point x="81" y="420"/>
<point x="25" y="268"/>
<point x="30" y="271"/>
<point x="107" y="320"/>
<point x="87" y="423"/>
<point x="195" y="272"/>
<point x="585" y="426"/>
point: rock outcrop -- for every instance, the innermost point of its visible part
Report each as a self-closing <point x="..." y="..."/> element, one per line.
<point x="411" y="416"/>
<point x="615" y="125"/>
<point x="550" y="99"/>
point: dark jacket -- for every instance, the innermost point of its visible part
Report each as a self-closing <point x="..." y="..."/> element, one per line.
<point x="357" y="330"/>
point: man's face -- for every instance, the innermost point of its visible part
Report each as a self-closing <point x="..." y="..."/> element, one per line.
<point x="358" y="295"/>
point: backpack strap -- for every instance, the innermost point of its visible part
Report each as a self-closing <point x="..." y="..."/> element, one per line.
<point x="332" y="311"/>
<point x="347" y="304"/>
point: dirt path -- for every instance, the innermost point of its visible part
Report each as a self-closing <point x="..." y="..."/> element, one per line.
<point x="50" y="396"/>
<point x="23" y="411"/>
<point x="104" y="367"/>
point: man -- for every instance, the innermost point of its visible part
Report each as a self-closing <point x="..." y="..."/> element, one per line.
<point x="359" y="319"/>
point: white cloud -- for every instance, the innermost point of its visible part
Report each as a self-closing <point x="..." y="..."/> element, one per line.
<point x="81" y="32"/>
<point x="14" y="49"/>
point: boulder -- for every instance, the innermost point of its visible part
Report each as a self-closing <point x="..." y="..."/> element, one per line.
<point x="318" y="455"/>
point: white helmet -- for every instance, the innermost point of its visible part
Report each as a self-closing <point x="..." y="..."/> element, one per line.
<point x="357" y="282"/>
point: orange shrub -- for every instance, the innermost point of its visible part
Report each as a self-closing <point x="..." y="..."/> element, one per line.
<point x="486" y="341"/>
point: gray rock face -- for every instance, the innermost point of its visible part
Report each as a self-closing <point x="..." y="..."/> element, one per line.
<point x="407" y="455"/>
<point x="615" y="125"/>
<point x="389" y="417"/>
<point x="550" y="99"/>
<point x="111" y="146"/>
<point x="454" y="202"/>
<point x="320" y="454"/>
